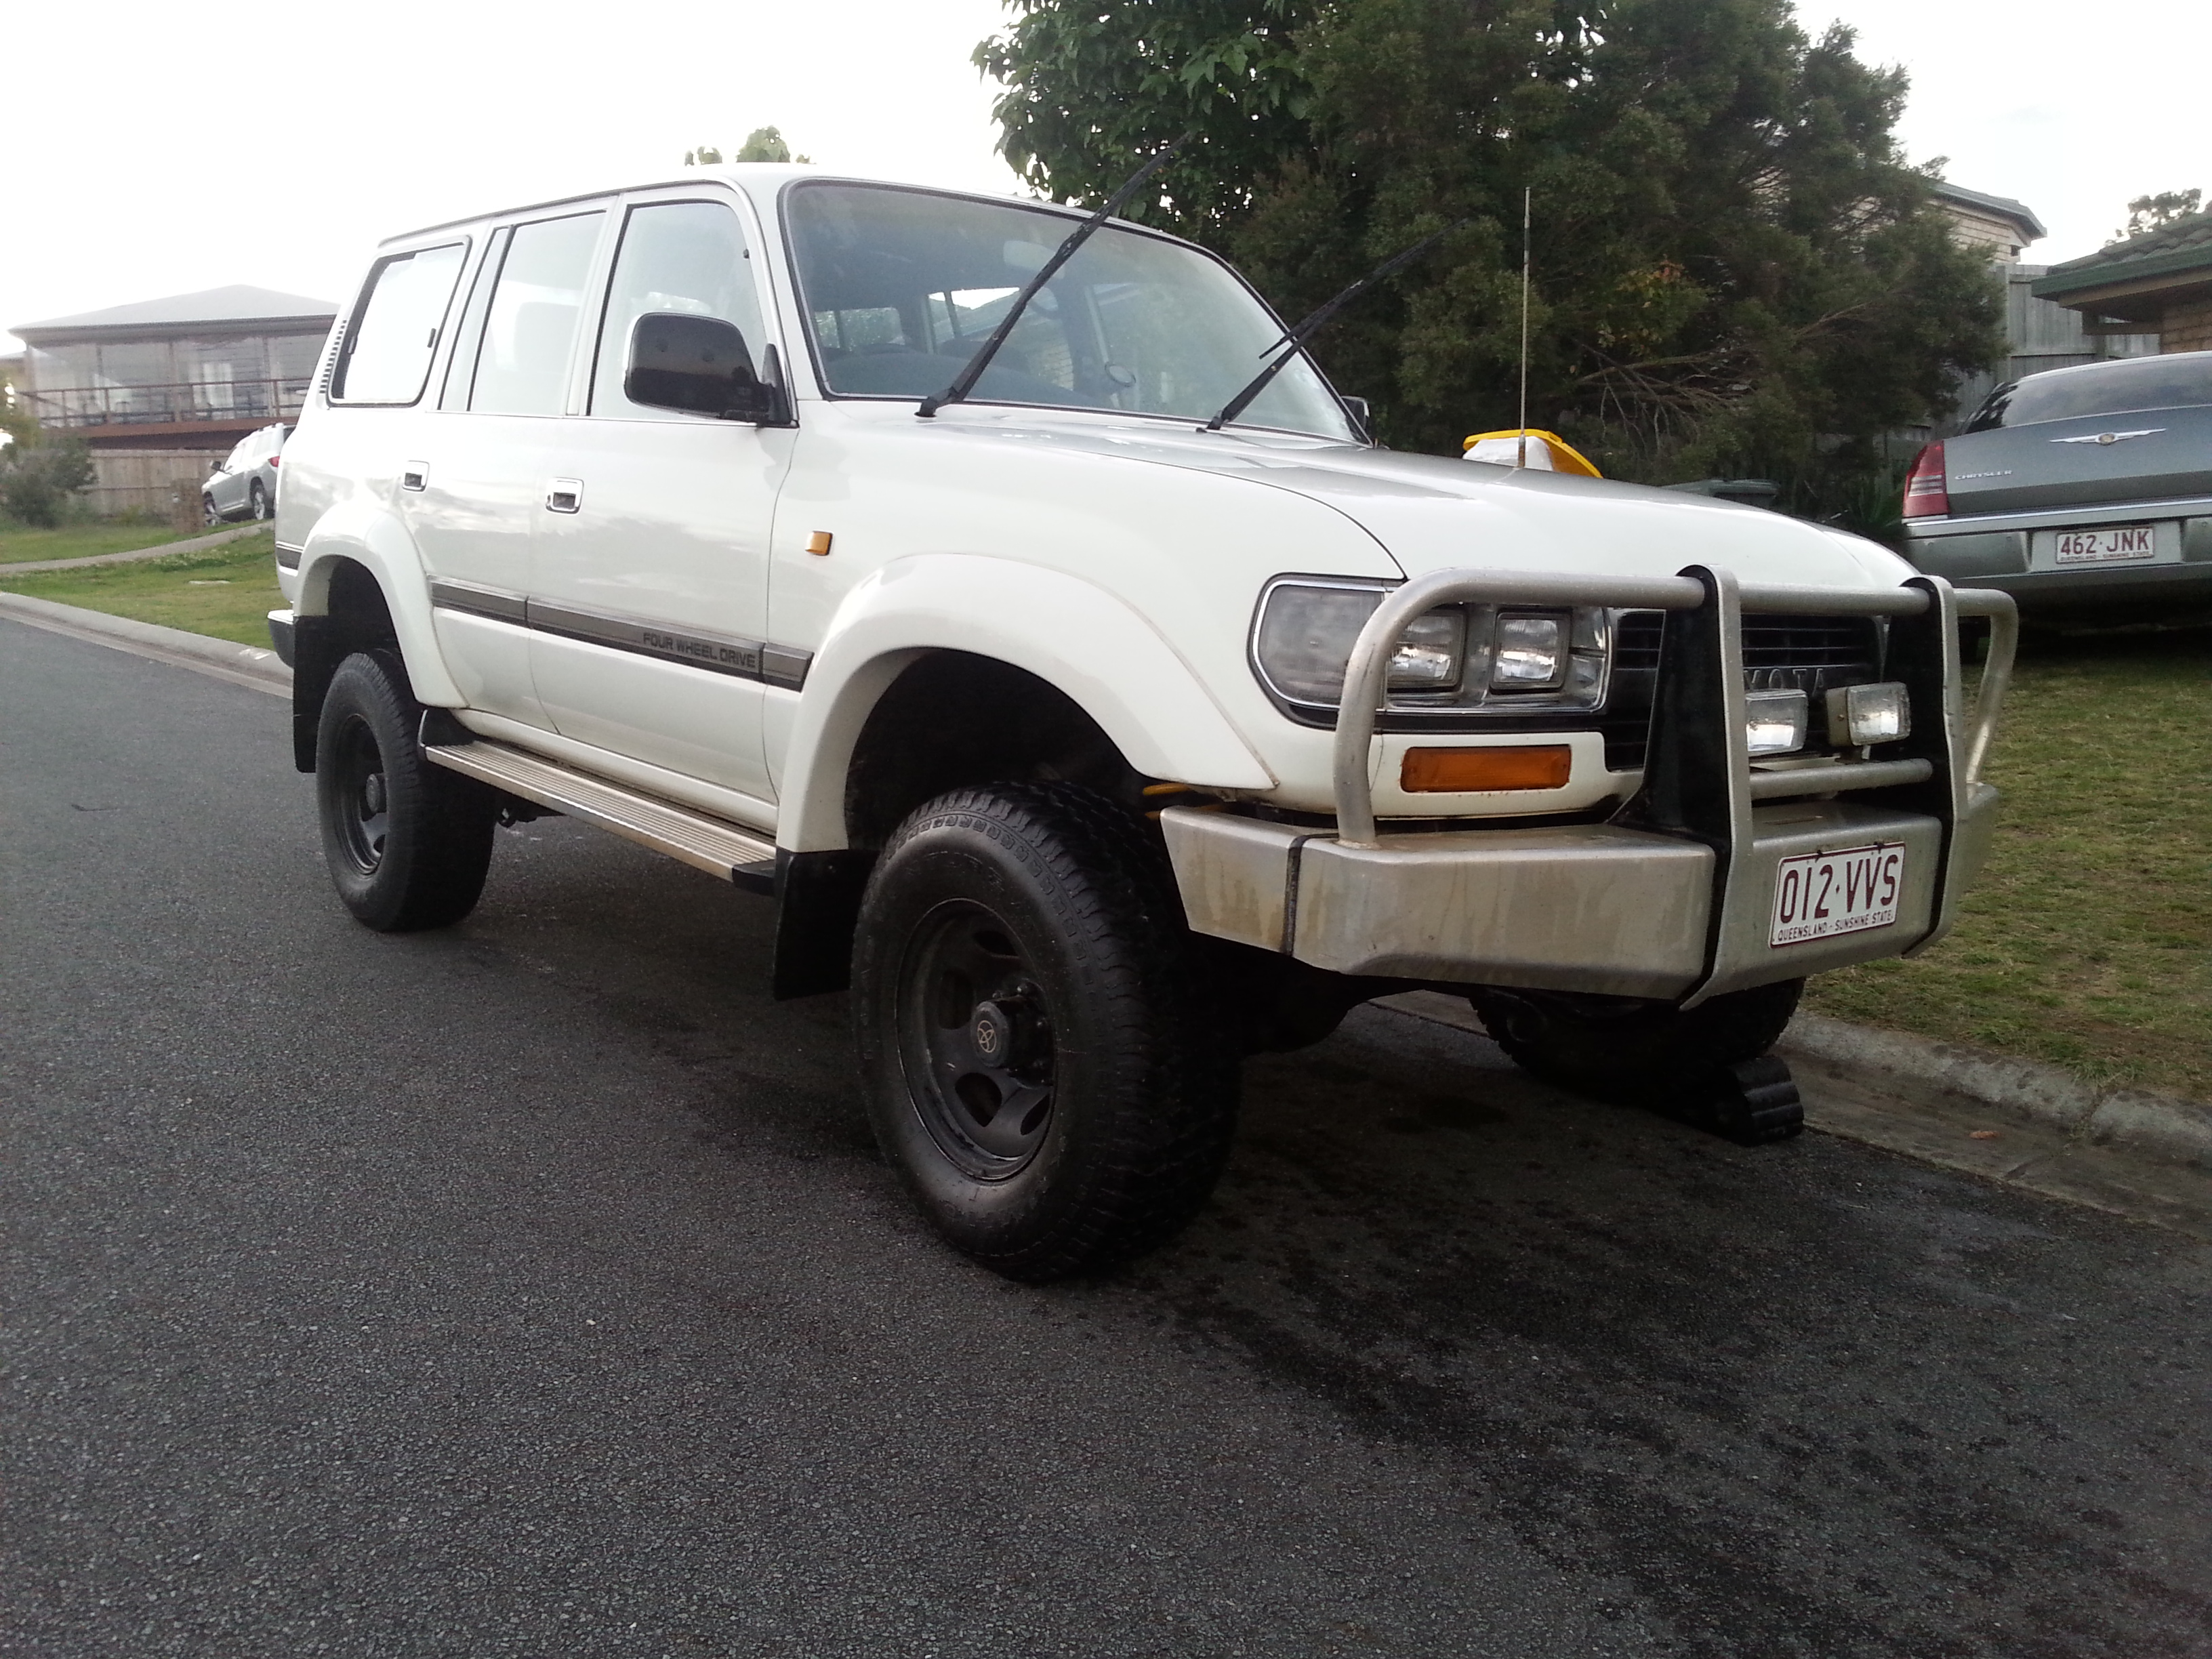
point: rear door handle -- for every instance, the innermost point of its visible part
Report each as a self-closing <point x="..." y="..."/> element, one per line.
<point x="564" y="495"/>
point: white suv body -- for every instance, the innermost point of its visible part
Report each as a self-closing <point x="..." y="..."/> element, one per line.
<point x="801" y="625"/>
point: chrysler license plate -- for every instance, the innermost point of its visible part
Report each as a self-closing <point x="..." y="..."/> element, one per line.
<point x="1820" y="894"/>
<point x="2114" y="545"/>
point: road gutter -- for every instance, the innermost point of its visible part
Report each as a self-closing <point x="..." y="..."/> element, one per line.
<point x="2018" y="1122"/>
<point x="252" y="666"/>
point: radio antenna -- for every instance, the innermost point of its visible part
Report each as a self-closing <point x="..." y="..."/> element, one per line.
<point x="1520" y="456"/>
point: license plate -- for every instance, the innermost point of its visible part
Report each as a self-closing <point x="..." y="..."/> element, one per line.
<point x="1820" y="894"/>
<point x="2117" y="543"/>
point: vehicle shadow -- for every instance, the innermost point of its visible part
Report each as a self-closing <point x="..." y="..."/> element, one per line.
<point x="1797" y="1397"/>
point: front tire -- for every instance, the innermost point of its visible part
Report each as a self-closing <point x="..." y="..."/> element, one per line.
<point x="208" y="514"/>
<point x="1637" y="1053"/>
<point x="1042" y="1064"/>
<point x="408" y="842"/>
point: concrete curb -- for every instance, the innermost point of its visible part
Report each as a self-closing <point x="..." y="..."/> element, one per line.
<point x="242" y="665"/>
<point x="1924" y="1072"/>
<point x="1947" y="1083"/>
<point x="193" y="545"/>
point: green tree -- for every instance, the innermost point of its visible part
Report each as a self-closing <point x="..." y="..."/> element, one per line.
<point x="2149" y="213"/>
<point x="37" y="479"/>
<point x="1736" y="271"/>
<point x="762" y="145"/>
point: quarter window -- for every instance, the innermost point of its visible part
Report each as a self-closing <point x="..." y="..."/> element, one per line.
<point x="684" y="256"/>
<point x="387" y="350"/>
<point x="522" y="368"/>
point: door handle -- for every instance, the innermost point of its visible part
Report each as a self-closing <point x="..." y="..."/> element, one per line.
<point x="413" y="474"/>
<point x="564" y="495"/>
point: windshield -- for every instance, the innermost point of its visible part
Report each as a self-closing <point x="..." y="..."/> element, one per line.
<point x="901" y="287"/>
<point x="2105" y="389"/>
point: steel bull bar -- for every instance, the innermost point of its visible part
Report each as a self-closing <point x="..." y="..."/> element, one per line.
<point x="1673" y="897"/>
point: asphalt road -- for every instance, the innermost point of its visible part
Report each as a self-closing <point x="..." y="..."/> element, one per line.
<point x="533" y="1289"/>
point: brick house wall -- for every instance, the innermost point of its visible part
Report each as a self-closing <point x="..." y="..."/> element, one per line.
<point x="2186" y="327"/>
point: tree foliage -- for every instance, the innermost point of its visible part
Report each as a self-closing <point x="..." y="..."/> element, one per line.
<point x="38" y="478"/>
<point x="2149" y="213"/>
<point x="762" y="145"/>
<point x="1735" y="271"/>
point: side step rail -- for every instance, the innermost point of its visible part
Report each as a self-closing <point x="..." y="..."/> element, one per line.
<point x="712" y="844"/>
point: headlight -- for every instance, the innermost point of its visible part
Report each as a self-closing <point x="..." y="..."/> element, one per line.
<point x="1456" y="657"/>
<point x="1306" y="636"/>
<point x="1531" y="653"/>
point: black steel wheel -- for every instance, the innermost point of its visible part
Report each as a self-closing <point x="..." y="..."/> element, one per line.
<point x="975" y="1040"/>
<point x="408" y="843"/>
<point x="1052" y="1080"/>
<point x="257" y="500"/>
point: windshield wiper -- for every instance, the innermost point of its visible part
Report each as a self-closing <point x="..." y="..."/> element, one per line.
<point x="965" y="382"/>
<point x="1295" y="341"/>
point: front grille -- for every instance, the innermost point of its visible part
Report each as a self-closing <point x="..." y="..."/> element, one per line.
<point x="1812" y="654"/>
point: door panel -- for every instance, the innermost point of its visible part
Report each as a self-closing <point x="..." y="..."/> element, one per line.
<point x="653" y="589"/>
<point x="478" y="472"/>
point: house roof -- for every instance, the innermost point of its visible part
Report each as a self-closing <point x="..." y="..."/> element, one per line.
<point x="229" y="306"/>
<point x="2175" y="256"/>
<point x="2004" y="206"/>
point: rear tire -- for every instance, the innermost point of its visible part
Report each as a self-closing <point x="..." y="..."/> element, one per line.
<point x="258" y="502"/>
<point x="1042" y="1065"/>
<point x="408" y="842"/>
<point x="1637" y="1053"/>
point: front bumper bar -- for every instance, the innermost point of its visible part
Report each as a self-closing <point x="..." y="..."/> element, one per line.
<point x="1672" y="898"/>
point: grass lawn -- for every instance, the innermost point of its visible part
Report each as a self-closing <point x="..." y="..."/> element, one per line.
<point x="228" y="592"/>
<point x="19" y="545"/>
<point x="2088" y="941"/>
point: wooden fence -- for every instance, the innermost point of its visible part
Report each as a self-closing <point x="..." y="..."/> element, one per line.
<point x="162" y="481"/>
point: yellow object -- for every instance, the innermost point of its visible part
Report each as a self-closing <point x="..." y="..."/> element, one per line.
<point x="1547" y="451"/>
<point x="1523" y="766"/>
<point x="818" y="541"/>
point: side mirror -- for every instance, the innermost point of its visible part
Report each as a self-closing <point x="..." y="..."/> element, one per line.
<point x="1359" y="413"/>
<point x="699" y="365"/>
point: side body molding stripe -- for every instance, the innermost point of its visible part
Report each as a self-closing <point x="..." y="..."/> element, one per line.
<point x="717" y="653"/>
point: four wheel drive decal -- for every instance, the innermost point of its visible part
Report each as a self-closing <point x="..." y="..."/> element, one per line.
<point x="718" y="653"/>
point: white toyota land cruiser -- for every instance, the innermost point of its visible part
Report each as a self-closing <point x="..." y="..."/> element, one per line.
<point x="1096" y="719"/>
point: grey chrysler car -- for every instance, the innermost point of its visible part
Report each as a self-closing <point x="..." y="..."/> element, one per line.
<point x="2085" y="493"/>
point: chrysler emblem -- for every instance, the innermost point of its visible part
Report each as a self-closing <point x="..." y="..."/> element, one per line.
<point x="2110" y="437"/>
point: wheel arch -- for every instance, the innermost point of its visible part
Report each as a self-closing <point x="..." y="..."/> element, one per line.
<point x="360" y="585"/>
<point x="1078" y="642"/>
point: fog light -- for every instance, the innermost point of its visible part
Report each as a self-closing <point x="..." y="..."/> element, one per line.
<point x="1530" y="654"/>
<point x="1517" y="766"/>
<point x="1774" y="722"/>
<point x="1863" y="714"/>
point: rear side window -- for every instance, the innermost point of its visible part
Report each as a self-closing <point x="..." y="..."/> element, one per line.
<point x="522" y="366"/>
<point x="2070" y="394"/>
<point x="387" y="350"/>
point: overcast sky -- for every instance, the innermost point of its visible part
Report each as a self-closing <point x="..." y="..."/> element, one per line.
<point x="159" y="150"/>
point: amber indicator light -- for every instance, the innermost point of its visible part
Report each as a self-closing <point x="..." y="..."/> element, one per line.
<point x="818" y="541"/>
<point x="1438" y="771"/>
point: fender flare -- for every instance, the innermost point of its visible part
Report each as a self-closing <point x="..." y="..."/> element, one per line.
<point x="1070" y="633"/>
<point x="369" y="535"/>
